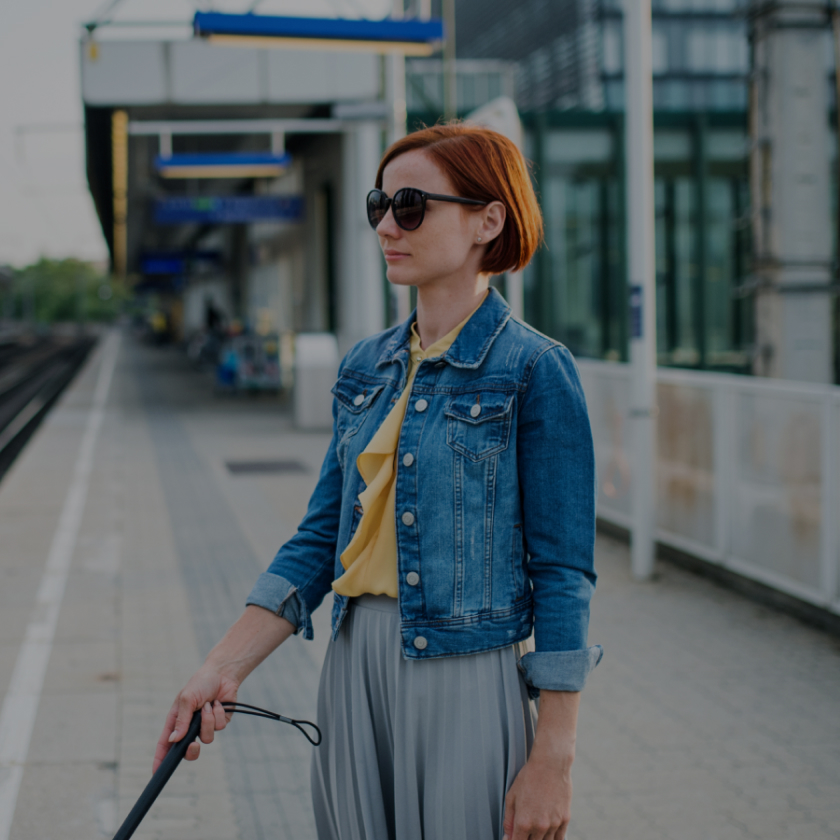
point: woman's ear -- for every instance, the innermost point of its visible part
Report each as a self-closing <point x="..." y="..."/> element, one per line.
<point x="492" y="221"/>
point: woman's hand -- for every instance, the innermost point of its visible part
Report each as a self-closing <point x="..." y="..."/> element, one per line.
<point x="254" y="636"/>
<point x="207" y="690"/>
<point x="538" y="804"/>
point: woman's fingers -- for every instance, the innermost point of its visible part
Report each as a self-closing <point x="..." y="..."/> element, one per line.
<point x="186" y="706"/>
<point x="163" y="742"/>
<point x="220" y="715"/>
<point x="208" y="724"/>
<point x="193" y="751"/>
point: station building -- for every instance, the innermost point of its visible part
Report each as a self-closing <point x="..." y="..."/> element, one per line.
<point x="569" y="91"/>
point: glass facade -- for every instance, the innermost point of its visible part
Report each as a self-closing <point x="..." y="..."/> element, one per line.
<point x="576" y="289"/>
<point x="700" y="55"/>
<point x="568" y="86"/>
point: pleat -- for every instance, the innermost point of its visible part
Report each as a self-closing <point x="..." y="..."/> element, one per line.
<point x="415" y="750"/>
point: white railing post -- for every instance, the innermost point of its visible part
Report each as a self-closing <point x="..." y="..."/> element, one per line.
<point x="638" y="110"/>
<point x="724" y="448"/>
<point x="828" y="499"/>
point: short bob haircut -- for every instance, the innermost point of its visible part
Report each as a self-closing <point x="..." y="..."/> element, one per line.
<point x="484" y="165"/>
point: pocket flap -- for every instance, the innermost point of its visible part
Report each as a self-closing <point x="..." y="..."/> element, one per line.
<point x="354" y="395"/>
<point x="479" y="407"/>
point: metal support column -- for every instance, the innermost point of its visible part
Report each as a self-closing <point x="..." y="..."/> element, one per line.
<point x="638" y="85"/>
<point x="397" y="129"/>
<point x="119" y="176"/>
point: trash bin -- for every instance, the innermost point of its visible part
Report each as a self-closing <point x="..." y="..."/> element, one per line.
<point x="316" y="369"/>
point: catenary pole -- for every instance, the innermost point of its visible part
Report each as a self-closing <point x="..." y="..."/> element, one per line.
<point x="638" y="85"/>
<point x="397" y="129"/>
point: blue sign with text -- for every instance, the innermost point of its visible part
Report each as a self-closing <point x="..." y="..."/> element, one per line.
<point x="636" y="312"/>
<point x="230" y="209"/>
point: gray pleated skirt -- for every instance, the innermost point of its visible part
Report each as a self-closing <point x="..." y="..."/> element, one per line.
<point x="414" y="750"/>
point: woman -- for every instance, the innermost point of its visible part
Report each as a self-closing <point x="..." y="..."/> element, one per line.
<point x="454" y="514"/>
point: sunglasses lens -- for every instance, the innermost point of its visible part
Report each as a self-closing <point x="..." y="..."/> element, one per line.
<point x="408" y="209"/>
<point x="377" y="207"/>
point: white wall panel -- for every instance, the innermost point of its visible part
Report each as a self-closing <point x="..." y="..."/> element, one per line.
<point x="123" y="73"/>
<point x="304" y="76"/>
<point x="202" y="72"/>
<point x="197" y="72"/>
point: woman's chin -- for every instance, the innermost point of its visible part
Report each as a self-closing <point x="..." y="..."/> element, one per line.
<point x="399" y="277"/>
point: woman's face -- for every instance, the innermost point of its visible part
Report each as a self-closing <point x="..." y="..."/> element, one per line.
<point x="445" y="247"/>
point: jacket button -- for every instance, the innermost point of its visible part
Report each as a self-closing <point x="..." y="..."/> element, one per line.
<point x="412" y="578"/>
<point x="408" y="518"/>
<point x="408" y="459"/>
<point x="359" y="399"/>
<point x="421" y="405"/>
<point x="475" y="410"/>
<point x="420" y="643"/>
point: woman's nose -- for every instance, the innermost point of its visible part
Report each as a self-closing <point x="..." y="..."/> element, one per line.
<point x="388" y="227"/>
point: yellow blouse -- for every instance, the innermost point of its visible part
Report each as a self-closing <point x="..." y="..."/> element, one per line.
<point x="370" y="559"/>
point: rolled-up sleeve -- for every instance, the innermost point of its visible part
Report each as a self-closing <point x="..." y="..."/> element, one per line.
<point x="276" y="594"/>
<point x="556" y="463"/>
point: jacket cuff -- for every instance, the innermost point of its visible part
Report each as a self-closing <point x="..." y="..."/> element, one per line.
<point x="563" y="670"/>
<point x="277" y="595"/>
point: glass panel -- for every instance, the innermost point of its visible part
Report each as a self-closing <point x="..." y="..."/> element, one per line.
<point x="659" y="50"/>
<point x="720" y="274"/>
<point x="608" y="402"/>
<point x="685" y="350"/>
<point x="685" y="470"/>
<point x="676" y="271"/>
<point x="778" y="501"/>
<point x="663" y="333"/>
<point x="576" y="147"/>
<point x="612" y="47"/>
<point x="727" y="145"/>
<point x="574" y="248"/>
<point x="671" y="146"/>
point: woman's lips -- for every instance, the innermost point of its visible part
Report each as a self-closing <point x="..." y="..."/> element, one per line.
<point x="394" y="255"/>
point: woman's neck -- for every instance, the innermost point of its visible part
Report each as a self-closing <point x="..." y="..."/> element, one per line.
<point x="440" y="310"/>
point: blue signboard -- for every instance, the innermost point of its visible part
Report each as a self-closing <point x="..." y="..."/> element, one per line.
<point x="231" y="209"/>
<point x="223" y="165"/>
<point x="176" y="262"/>
<point x="636" y="312"/>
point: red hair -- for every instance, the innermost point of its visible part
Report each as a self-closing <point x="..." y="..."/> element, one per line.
<point x="484" y="165"/>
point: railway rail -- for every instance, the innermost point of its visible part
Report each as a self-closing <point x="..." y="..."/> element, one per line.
<point x="33" y="373"/>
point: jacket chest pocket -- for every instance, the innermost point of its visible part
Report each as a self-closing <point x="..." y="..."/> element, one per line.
<point x="478" y="424"/>
<point x="354" y="400"/>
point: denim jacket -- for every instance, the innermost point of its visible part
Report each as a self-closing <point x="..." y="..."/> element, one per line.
<point x="495" y="498"/>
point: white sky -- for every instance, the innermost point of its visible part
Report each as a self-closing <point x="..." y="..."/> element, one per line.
<point x="45" y="207"/>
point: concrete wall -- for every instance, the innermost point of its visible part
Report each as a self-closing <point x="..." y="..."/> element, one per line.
<point x="196" y="72"/>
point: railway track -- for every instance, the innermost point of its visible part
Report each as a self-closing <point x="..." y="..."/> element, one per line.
<point x="32" y="376"/>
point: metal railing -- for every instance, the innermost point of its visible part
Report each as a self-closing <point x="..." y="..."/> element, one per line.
<point x="747" y="472"/>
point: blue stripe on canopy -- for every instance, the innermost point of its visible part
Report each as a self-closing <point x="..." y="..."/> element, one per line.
<point x="268" y="26"/>
<point x="225" y="159"/>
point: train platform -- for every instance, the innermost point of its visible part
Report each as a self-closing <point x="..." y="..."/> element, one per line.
<point x="132" y="527"/>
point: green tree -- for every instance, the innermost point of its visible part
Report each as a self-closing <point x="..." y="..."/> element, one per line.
<point x="64" y="290"/>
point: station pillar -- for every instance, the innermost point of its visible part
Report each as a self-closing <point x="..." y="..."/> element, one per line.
<point x="361" y="283"/>
<point x="791" y="201"/>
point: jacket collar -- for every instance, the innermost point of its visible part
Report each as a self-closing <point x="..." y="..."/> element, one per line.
<point x="473" y="342"/>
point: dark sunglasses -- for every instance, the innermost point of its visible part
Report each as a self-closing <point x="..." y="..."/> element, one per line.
<point x="409" y="206"/>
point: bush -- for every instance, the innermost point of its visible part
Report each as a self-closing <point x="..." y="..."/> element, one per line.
<point x="62" y="290"/>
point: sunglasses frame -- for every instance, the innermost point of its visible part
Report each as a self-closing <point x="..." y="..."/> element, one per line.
<point x="424" y="197"/>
